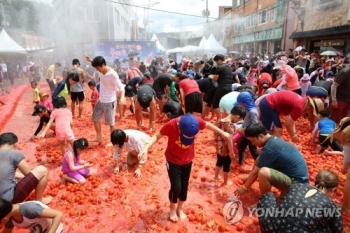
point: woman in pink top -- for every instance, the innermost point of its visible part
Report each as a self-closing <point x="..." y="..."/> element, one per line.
<point x="290" y="79"/>
<point x="63" y="123"/>
<point x="191" y="95"/>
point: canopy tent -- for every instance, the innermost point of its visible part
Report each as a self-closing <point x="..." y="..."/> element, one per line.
<point x="158" y="45"/>
<point x="8" y="45"/>
<point x="202" y="43"/>
<point x="211" y="47"/>
<point x="175" y="50"/>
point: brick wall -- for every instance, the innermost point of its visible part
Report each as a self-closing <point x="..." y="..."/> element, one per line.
<point x="330" y="14"/>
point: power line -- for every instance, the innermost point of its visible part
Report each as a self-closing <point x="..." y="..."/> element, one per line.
<point x="164" y="11"/>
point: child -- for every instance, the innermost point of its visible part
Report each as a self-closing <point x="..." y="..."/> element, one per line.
<point x="224" y="147"/>
<point x="32" y="215"/>
<point x="237" y="135"/>
<point x="323" y="128"/>
<point x="94" y="94"/>
<point x="305" y="84"/>
<point x="252" y="76"/>
<point x="44" y="101"/>
<point x="75" y="169"/>
<point x="36" y="97"/>
<point x="44" y="115"/>
<point x="63" y="122"/>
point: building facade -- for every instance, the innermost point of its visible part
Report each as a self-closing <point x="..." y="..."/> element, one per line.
<point x="323" y="25"/>
<point x="81" y="24"/>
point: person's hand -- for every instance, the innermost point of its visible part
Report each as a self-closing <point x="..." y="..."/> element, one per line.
<point x="295" y="138"/>
<point x="334" y="104"/>
<point x="327" y="152"/>
<point x="88" y="58"/>
<point x="137" y="173"/>
<point x="240" y="191"/>
<point x="87" y="164"/>
<point x="116" y="170"/>
<point x="122" y="100"/>
<point x="232" y="156"/>
<point x="42" y="135"/>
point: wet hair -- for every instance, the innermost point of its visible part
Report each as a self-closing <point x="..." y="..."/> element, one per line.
<point x="325" y="113"/>
<point x="243" y="80"/>
<point x="91" y="83"/>
<point x="8" y="138"/>
<point x="254" y="130"/>
<point x="74" y="77"/>
<point x="299" y="70"/>
<point x="81" y="144"/>
<point x="183" y="76"/>
<point x="58" y="64"/>
<point x="60" y="102"/>
<point x="326" y="179"/>
<point x="98" y="61"/>
<point x="34" y="83"/>
<point x="239" y="111"/>
<point x="244" y="87"/>
<point x="219" y="57"/>
<point x="5" y="208"/>
<point x="118" y="137"/>
<point x="75" y="62"/>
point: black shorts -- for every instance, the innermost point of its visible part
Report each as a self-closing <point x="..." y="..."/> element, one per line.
<point x="218" y="95"/>
<point x="77" y="96"/>
<point x="224" y="162"/>
<point x="193" y="103"/>
<point x="209" y="95"/>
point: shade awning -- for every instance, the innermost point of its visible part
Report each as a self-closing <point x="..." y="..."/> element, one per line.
<point x="344" y="29"/>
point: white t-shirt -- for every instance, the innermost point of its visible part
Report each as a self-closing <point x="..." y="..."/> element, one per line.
<point x="137" y="141"/>
<point x="109" y="85"/>
<point x="30" y="212"/>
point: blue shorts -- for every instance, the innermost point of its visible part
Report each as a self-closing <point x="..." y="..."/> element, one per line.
<point x="269" y="117"/>
<point x="318" y="92"/>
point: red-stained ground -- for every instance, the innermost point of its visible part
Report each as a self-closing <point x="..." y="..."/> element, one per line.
<point x="123" y="203"/>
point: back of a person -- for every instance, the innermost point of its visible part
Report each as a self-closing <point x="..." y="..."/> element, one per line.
<point x="227" y="102"/>
<point x="343" y="80"/>
<point x="189" y="86"/>
<point x="108" y="86"/>
<point x="65" y="164"/>
<point x="78" y="86"/>
<point x="225" y="76"/>
<point x="137" y="139"/>
<point x="292" y="79"/>
<point x="324" y="84"/>
<point x="8" y="165"/>
<point x="326" y="126"/>
<point x="62" y="118"/>
<point x="162" y="80"/>
<point x="285" y="101"/>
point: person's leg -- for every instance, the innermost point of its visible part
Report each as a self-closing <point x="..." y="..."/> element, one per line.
<point x="346" y="201"/>
<point x="226" y="169"/>
<point x="253" y="150"/>
<point x="174" y="173"/>
<point x="235" y="139"/>
<point x="242" y="145"/>
<point x="185" y="176"/>
<point x="41" y="173"/>
<point x="97" y="117"/>
<point x="131" y="158"/>
<point x="74" y="99"/>
<point x="81" y="106"/>
<point x="152" y="114"/>
<point x="269" y="177"/>
<point x="218" y="166"/>
<point x="264" y="177"/>
<point x="62" y="144"/>
<point x="138" y="115"/>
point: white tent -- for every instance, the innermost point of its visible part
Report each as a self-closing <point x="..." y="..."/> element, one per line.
<point x="175" y="50"/>
<point x="158" y="45"/>
<point x="202" y="43"/>
<point x="211" y="46"/>
<point x="8" y="45"/>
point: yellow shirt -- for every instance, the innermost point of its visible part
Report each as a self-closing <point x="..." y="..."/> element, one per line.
<point x="36" y="96"/>
<point x="51" y="72"/>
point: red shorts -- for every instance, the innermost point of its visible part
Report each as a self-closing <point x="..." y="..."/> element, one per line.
<point x="24" y="187"/>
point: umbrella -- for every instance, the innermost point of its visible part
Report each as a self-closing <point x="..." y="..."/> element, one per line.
<point x="328" y="53"/>
<point x="233" y="52"/>
<point x="133" y="53"/>
<point x="299" y="48"/>
<point x="339" y="53"/>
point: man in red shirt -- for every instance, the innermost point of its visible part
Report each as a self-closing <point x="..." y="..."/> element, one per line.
<point x="287" y="103"/>
<point x="179" y="154"/>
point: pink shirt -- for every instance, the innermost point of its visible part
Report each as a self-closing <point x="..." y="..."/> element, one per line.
<point x="292" y="80"/>
<point x="63" y="117"/>
<point x="47" y="104"/>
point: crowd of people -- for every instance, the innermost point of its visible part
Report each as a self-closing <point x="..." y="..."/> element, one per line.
<point x="249" y="99"/>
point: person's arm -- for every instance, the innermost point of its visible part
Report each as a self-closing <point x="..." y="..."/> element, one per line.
<point x="83" y="75"/>
<point x="56" y="217"/>
<point x="142" y="155"/>
<point x="24" y="167"/>
<point x="334" y="94"/>
<point x="88" y="58"/>
<point x="48" y="125"/>
<point x="182" y="96"/>
<point x="214" y="77"/>
<point x="72" y="166"/>
<point x="212" y="127"/>
<point x="41" y="124"/>
<point x="329" y="152"/>
<point x="117" y="153"/>
<point x="253" y="175"/>
<point x="314" y="132"/>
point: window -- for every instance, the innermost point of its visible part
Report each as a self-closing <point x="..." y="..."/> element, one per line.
<point x="92" y="13"/>
<point x="117" y="16"/>
<point x="250" y="21"/>
<point x="273" y="13"/>
<point x="238" y="2"/>
<point x="263" y="16"/>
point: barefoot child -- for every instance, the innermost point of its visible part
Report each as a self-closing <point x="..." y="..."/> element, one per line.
<point x="222" y="146"/>
<point x="94" y="93"/>
<point x="63" y="122"/>
<point x="133" y="141"/>
<point x="179" y="154"/>
<point x="74" y="168"/>
<point x="32" y="215"/>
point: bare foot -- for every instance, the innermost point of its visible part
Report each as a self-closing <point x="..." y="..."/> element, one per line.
<point x="109" y="144"/>
<point x="173" y="216"/>
<point x="96" y="140"/>
<point x="228" y="183"/>
<point x="46" y="200"/>
<point x="181" y="214"/>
